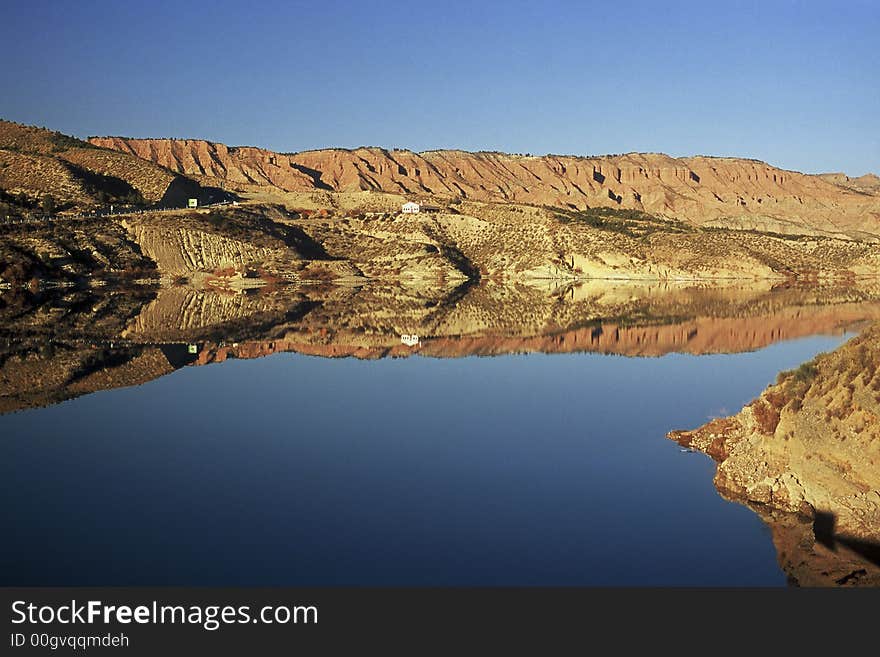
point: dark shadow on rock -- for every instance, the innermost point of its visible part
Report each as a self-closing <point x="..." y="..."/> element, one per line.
<point x="306" y="245"/>
<point x="182" y="189"/>
<point x="314" y="174"/>
<point x="113" y="187"/>
<point x="824" y="525"/>
<point x="216" y="195"/>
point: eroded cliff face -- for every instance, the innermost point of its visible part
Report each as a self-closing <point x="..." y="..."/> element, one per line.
<point x="727" y="192"/>
<point x="223" y="246"/>
<point x="184" y="249"/>
<point x="237" y="165"/>
<point x="810" y="445"/>
<point x="868" y="183"/>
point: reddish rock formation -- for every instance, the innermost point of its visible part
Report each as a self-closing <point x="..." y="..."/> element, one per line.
<point x="724" y="191"/>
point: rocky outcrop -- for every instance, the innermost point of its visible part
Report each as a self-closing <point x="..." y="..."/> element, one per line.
<point x="204" y="246"/>
<point x="494" y="215"/>
<point x="468" y="241"/>
<point x="696" y="189"/>
<point x="810" y="445"/>
<point x="519" y="242"/>
<point x="867" y="184"/>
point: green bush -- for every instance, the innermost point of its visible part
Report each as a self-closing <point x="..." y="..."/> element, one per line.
<point x="805" y="373"/>
<point x="47" y="204"/>
<point x="634" y="223"/>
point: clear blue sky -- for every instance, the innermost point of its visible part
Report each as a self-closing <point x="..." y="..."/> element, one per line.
<point x="794" y="83"/>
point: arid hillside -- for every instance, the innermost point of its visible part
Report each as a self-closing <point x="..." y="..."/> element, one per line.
<point x="36" y="163"/>
<point x="724" y="192"/>
<point x="469" y="240"/>
<point x="336" y="215"/>
<point x="70" y="251"/>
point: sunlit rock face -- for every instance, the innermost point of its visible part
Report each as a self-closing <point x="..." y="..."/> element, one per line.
<point x="723" y="191"/>
<point x="810" y="445"/>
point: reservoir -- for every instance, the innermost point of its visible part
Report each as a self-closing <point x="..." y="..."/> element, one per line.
<point x="514" y="469"/>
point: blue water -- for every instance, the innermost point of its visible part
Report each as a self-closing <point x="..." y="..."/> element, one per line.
<point x="295" y="470"/>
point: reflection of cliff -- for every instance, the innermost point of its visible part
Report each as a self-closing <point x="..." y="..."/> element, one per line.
<point x="631" y="321"/>
<point x="76" y="342"/>
<point x="61" y="371"/>
<point x="54" y="346"/>
<point x="701" y="335"/>
<point x="810" y="445"/>
<point x="697" y="336"/>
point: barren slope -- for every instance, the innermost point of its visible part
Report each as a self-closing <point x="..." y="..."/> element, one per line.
<point x="35" y="162"/>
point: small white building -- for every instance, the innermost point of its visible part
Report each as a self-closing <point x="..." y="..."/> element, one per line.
<point x="410" y="340"/>
<point x="410" y="208"/>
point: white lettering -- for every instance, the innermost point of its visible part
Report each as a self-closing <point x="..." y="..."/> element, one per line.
<point x="16" y="610"/>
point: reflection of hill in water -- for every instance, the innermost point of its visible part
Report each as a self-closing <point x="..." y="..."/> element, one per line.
<point x="54" y="347"/>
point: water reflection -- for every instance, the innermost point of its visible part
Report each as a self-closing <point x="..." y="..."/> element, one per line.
<point x="59" y="345"/>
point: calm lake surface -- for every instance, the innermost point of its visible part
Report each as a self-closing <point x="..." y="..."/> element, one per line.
<point x="297" y="470"/>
